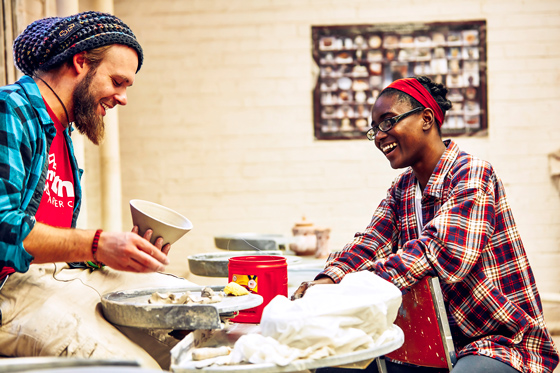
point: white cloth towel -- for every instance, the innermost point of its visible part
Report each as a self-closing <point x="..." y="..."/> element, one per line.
<point x="328" y="320"/>
<point x="358" y="313"/>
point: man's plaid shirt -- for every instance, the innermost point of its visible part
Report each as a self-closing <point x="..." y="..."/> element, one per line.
<point x="470" y="241"/>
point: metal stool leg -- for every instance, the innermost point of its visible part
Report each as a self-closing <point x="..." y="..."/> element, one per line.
<point x="381" y="366"/>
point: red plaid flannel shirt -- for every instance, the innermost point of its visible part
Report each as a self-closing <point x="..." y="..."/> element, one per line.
<point x="470" y="241"/>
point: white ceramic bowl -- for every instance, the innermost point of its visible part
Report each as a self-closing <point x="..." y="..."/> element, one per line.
<point x="163" y="221"/>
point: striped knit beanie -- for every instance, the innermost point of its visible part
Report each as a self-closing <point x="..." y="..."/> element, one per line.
<point x="50" y="41"/>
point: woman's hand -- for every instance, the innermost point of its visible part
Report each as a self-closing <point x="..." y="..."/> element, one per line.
<point x="300" y="291"/>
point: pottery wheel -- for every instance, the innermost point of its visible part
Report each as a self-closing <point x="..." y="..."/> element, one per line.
<point x="131" y="308"/>
<point x="216" y="264"/>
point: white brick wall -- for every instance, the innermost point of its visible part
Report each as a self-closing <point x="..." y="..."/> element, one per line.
<point x="219" y="121"/>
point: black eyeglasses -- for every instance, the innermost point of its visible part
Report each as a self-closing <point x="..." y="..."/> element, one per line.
<point x="389" y="123"/>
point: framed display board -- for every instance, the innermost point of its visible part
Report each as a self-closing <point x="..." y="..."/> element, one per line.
<point x="357" y="61"/>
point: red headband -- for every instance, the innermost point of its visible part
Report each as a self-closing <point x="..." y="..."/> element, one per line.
<point x="415" y="89"/>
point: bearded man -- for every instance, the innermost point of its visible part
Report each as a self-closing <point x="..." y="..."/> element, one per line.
<point x="76" y="68"/>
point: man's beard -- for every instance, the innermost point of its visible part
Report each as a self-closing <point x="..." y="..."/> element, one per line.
<point x="86" y="119"/>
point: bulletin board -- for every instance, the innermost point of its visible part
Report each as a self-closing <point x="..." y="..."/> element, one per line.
<point x="355" y="63"/>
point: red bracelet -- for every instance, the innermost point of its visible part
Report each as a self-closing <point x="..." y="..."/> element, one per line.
<point x="95" y="244"/>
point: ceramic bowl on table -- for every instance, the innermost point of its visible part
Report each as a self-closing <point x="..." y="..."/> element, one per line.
<point x="163" y="221"/>
<point x="216" y="264"/>
<point x="251" y="241"/>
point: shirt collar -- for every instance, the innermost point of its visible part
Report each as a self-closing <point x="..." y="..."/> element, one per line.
<point x="436" y="182"/>
<point x="34" y="96"/>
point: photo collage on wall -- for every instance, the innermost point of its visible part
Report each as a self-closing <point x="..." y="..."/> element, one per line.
<point x="357" y="61"/>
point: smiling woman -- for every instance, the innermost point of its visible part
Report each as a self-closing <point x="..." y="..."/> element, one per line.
<point x="406" y="125"/>
<point x="447" y="216"/>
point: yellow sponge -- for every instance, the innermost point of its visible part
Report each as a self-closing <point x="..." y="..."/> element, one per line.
<point x="233" y="288"/>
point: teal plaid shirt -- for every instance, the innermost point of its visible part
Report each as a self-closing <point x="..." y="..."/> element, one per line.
<point x="26" y="132"/>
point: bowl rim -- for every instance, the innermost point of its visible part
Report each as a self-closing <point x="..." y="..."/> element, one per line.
<point x="250" y="236"/>
<point x="133" y="203"/>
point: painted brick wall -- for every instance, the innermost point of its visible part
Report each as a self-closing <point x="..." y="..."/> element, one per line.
<point x="219" y="121"/>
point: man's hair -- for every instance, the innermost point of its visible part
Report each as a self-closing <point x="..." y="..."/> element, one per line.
<point x="95" y="56"/>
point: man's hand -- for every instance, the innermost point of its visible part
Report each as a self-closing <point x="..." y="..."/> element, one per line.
<point x="159" y="240"/>
<point x="130" y="252"/>
<point x="300" y="291"/>
<point x="123" y="251"/>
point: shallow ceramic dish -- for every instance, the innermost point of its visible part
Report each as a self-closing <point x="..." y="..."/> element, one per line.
<point x="163" y="221"/>
<point x="357" y="359"/>
<point x="131" y="308"/>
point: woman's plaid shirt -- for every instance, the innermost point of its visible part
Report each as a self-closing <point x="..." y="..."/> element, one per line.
<point x="470" y="241"/>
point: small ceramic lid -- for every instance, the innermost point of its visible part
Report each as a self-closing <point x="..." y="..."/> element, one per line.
<point x="303" y="223"/>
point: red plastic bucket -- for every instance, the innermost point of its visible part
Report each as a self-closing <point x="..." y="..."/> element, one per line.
<point x="266" y="275"/>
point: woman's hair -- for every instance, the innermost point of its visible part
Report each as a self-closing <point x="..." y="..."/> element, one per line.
<point x="438" y="92"/>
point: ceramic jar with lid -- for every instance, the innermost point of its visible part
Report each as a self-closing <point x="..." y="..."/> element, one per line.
<point x="305" y="240"/>
<point x="310" y="239"/>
